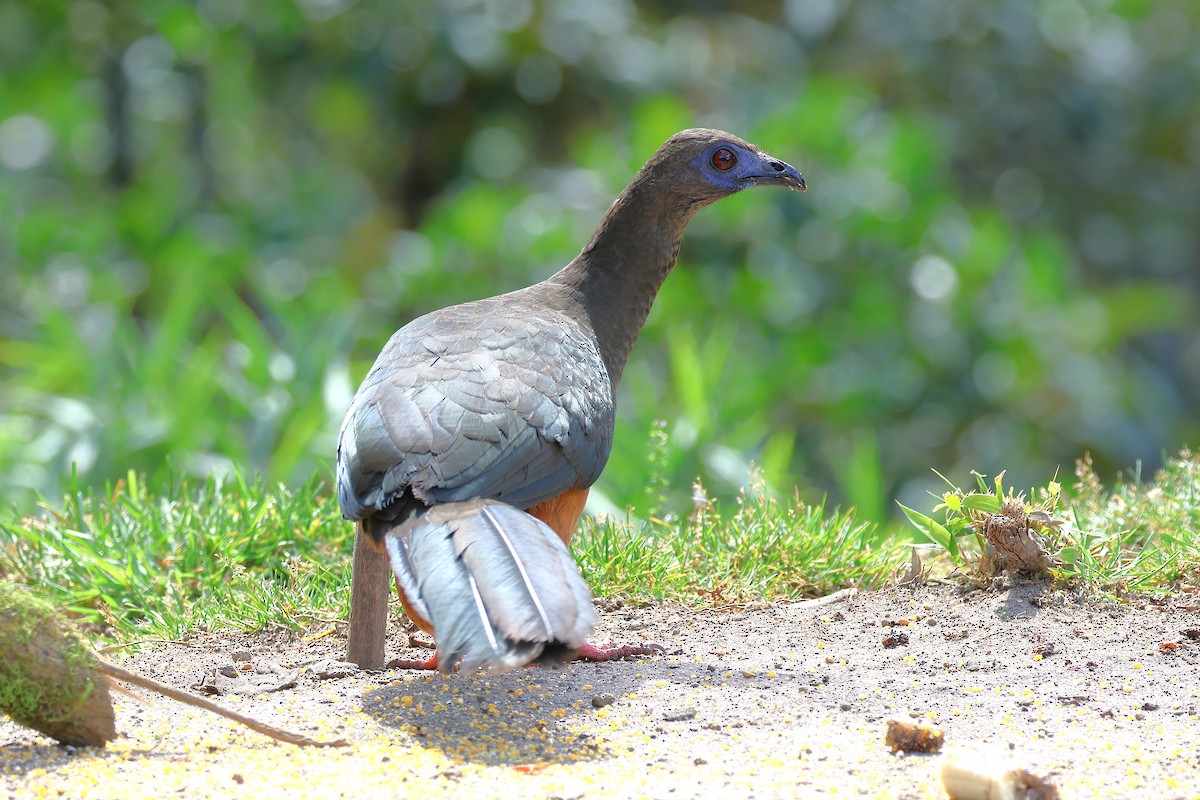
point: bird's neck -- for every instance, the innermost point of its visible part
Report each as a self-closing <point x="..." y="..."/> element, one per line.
<point x="614" y="279"/>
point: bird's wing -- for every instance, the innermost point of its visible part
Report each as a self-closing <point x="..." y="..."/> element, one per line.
<point x="488" y="399"/>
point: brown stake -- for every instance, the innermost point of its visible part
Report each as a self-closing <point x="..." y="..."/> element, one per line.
<point x="368" y="604"/>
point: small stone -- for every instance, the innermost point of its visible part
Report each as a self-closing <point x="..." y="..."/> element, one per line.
<point x="332" y="668"/>
<point x="680" y="715"/>
<point x="241" y="655"/>
<point x="749" y="673"/>
<point x="603" y="699"/>
<point x="911" y="737"/>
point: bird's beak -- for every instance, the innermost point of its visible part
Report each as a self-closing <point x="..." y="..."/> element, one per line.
<point x="774" y="172"/>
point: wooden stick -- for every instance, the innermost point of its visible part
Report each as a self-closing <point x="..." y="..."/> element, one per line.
<point x="141" y="681"/>
<point x="368" y="604"/>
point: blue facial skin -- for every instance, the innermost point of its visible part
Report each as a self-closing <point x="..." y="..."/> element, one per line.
<point x="751" y="169"/>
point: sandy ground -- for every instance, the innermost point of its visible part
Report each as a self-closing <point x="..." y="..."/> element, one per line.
<point x="783" y="700"/>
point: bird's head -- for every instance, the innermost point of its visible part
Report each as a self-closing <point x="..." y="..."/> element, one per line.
<point x="689" y="171"/>
<point x="710" y="164"/>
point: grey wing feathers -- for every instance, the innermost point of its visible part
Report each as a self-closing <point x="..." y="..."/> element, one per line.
<point x="524" y="561"/>
<point x="476" y="401"/>
<point x="497" y="585"/>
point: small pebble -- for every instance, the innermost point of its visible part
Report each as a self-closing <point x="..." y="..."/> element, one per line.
<point x="907" y="736"/>
<point x="602" y="700"/>
<point x="332" y="668"/>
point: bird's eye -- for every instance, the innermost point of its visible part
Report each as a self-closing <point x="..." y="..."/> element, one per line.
<point x="723" y="159"/>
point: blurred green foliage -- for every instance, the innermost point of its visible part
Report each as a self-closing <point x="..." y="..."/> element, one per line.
<point x="214" y="212"/>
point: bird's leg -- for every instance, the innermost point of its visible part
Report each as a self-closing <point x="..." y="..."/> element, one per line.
<point x="588" y="652"/>
<point x="609" y="652"/>
<point x="404" y="663"/>
<point x="413" y="641"/>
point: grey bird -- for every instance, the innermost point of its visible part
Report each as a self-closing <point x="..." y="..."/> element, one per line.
<point x="469" y="449"/>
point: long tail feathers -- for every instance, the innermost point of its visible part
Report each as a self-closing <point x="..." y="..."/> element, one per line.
<point x="498" y="586"/>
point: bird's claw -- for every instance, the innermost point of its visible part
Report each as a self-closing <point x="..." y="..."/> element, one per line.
<point x="609" y="652"/>
<point x="404" y="663"/>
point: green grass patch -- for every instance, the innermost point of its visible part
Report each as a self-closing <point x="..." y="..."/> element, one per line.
<point x="764" y="548"/>
<point x="130" y="563"/>
<point x="1137" y="537"/>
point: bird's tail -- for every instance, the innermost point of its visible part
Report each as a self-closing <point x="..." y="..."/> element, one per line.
<point x="498" y="586"/>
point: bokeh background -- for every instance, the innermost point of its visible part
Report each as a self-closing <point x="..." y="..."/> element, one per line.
<point x="214" y="212"/>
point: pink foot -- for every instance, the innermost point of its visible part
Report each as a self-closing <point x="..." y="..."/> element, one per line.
<point x="590" y="652"/>
<point x="403" y="663"/>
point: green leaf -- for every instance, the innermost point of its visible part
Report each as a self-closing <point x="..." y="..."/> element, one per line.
<point x="987" y="503"/>
<point x="932" y="530"/>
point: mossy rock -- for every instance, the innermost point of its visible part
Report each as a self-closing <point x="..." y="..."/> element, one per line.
<point x="48" y="677"/>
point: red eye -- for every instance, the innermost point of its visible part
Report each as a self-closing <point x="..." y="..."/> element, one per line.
<point x="724" y="159"/>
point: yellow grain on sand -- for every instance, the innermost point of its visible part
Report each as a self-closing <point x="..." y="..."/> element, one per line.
<point x="780" y="702"/>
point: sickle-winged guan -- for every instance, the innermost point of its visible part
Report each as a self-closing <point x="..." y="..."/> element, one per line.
<point x="469" y="448"/>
